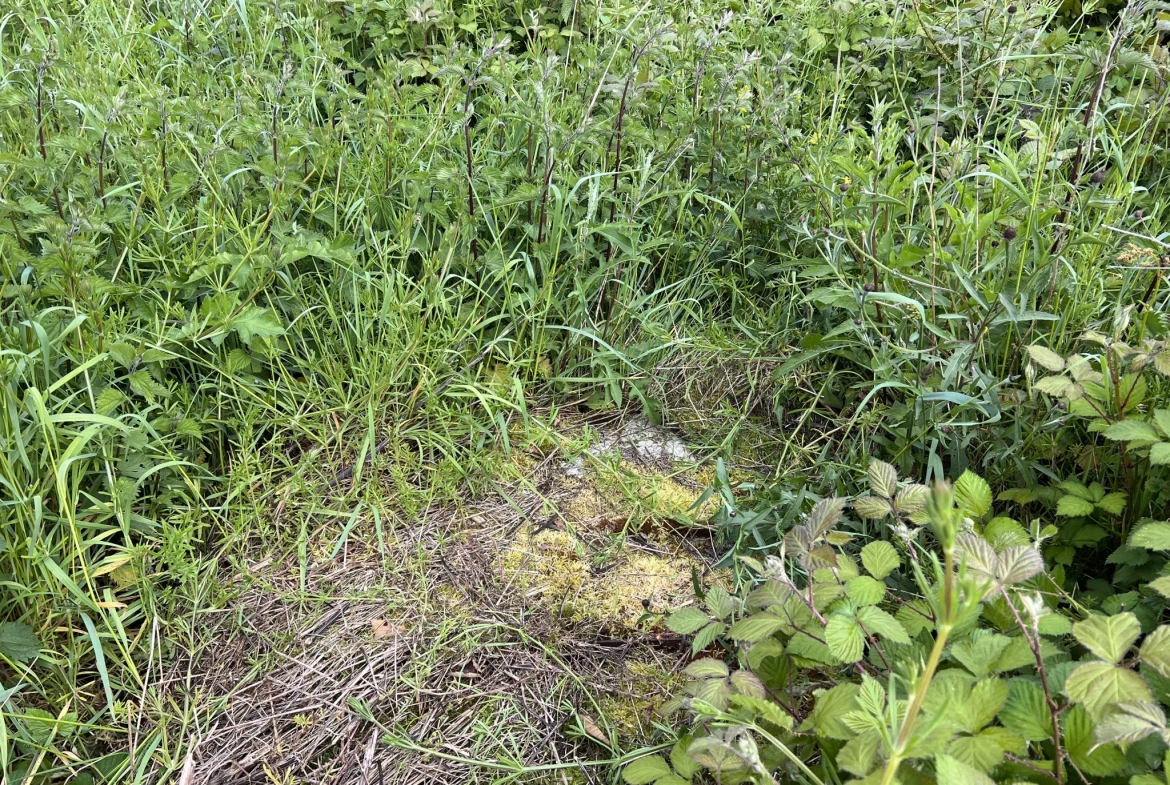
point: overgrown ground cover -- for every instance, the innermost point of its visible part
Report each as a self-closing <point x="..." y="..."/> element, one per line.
<point x="335" y="337"/>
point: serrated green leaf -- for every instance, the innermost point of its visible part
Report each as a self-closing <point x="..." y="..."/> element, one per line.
<point x="1109" y="637"/>
<point x="878" y="622"/>
<point x="1130" y="722"/>
<point x="19" y="642"/>
<point x="756" y="628"/>
<point x="255" y="321"/>
<point x="911" y="498"/>
<point x="872" y="507"/>
<point x="1099" y="761"/>
<point x="1057" y="386"/>
<point x="857" y="756"/>
<point x="683" y="764"/>
<point x="645" y="770"/>
<point x="980" y="653"/>
<point x="1073" y="507"/>
<point x="973" y="494"/>
<point x="706" y="636"/>
<point x="1025" y="711"/>
<point x="1018" y="564"/>
<point x="1152" y="536"/>
<point x="955" y="772"/>
<point x="982" y="751"/>
<point x="1155" y="650"/>
<point x="808" y="647"/>
<point x="719" y="602"/>
<point x="1045" y="358"/>
<point x="763" y="709"/>
<point x="1099" y="685"/>
<point x="1112" y="503"/>
<point x="707" y="668"/>
<point x="883" y="479"/>
<point x="1130" y="431"/>
<point x="985" y="701"/>
<point x="879" y="559"/>
<point x="830" y="709"/>
<point x="687" y="620"/>
<point x="1161" y="585"/>
<point x="1054" y="624"/>
<point x="864" y="590"/>
<point x="845" y="638"/>
<point x="1160" y="453"/>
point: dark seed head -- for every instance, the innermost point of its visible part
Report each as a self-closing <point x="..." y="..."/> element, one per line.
<point x="1098" y="177"/>
<point x="646" y="603"/>
<point x="844" y="187"/>
<point x="918" y="102"/>
<point x="1010" y="233"/>
<point x="869" y="287"/>
<point x="1011" y="9"/>
<point x="1137" y="214"/>
<point x="995" y="243"/>
<point x="858" y="322"/>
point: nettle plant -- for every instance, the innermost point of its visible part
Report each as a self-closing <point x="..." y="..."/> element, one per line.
<point x="945" y="654"/>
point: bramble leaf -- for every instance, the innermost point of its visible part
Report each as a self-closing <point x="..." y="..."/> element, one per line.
<point x="879" y="559"/>
<point x="1109" y="637"/>
<point x="883" y="479"/>
<point x="1098" y="685"/>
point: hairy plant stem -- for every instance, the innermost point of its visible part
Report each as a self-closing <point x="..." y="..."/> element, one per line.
<point x="946" y="624"/>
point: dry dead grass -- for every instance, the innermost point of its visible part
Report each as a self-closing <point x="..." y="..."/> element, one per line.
<point x="498" y="640"/>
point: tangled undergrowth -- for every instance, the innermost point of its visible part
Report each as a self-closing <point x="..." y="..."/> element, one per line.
<point x="287" y="288"/>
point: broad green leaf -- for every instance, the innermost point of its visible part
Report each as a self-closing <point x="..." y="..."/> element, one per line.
<point x="883" y="479"/>
<point x="1155" y="650"/>
<point x="830" y="709"/>
<point x="1161" y="585"/>
<point x="857" y="756"/>
<point x="878" y="622"/>
<point x="756" y="628"/>
<point x="1057" y="386"/>
<point x="845" y="638"/>
<point x="1162" y="418"/>
<point x="986" y="699"/>
<point x="1109" y="637"/>
<point x="973" y="494"/>
<point x="707" y="668"/>
<point x="809" y="648"/>
<point x="1072" y="507"/>
<point x="824" y="516"/>
<point x="911" y="498"/>
<point x="19" y="642"/>
<point x="1131" y="721"/>
<point x="256" y="321"/>
<point x="764" y="709"/>
<point x="683" y="764"/>
<point x="1046" y="358"/>
<point x="1099" y="685"/>
<point x="645" y="770"/>
<point x="1098" y="761"/>
<point x="864" y="590"/>
<point x="980" y="653"/>
<point x="687" y="620"/>
<point x="914" y="617"/>
<point x="1055" y="624"/>
<point x="706" y="636"/>
<point x="1152" y="536"/>
<point x="719" y="602"/>
<point x="872" y="507"/>
<point x="955" y="772"/>
<point x="981" y="751"/>
<point x="1130" y="431"/>
<point x="1113" y="503"/>
<point x="879" y="559"/>
<point x="1160" y="453"/>
<point x="1025" y="711"/>
<point x="1018" y="564"/>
